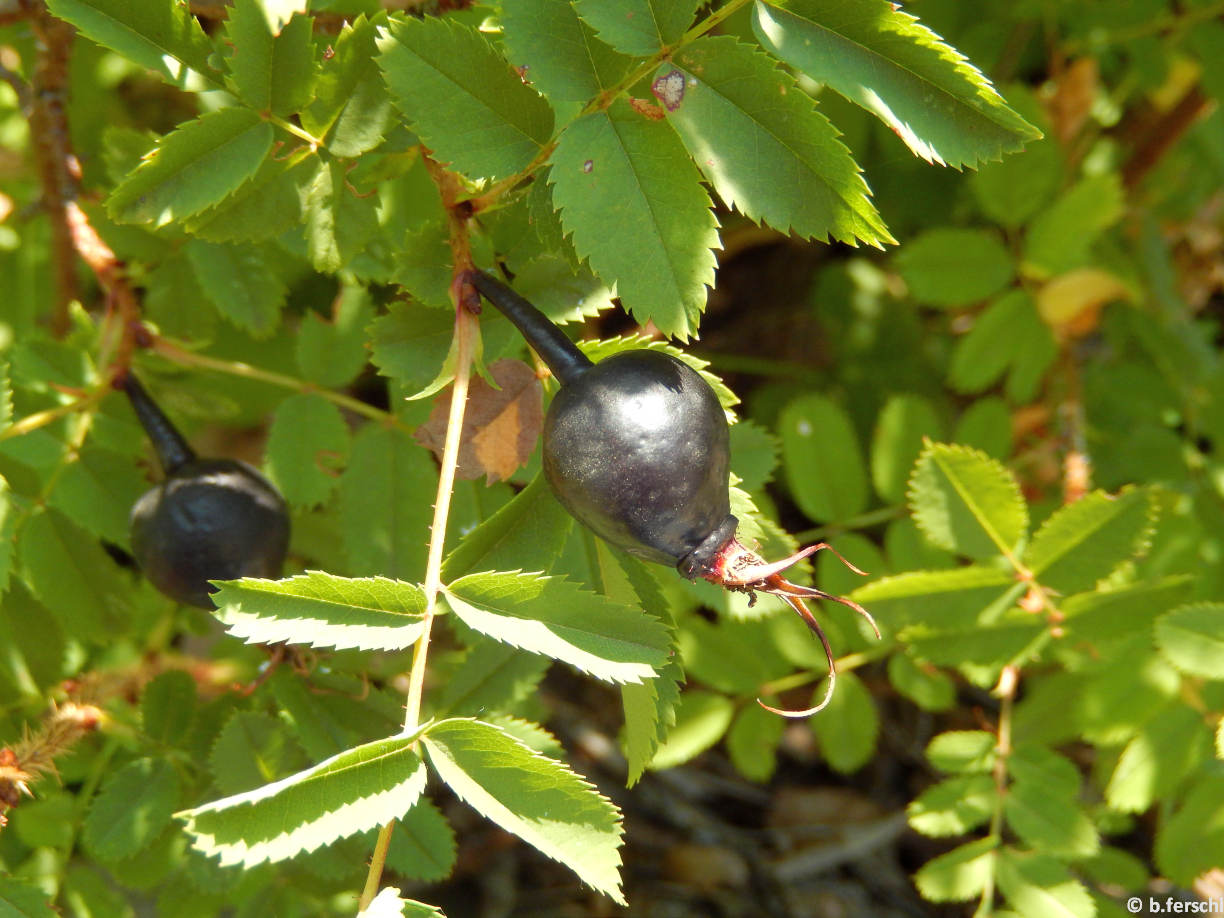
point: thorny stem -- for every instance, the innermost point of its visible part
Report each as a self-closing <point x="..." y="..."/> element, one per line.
<point x="466" y="331"/>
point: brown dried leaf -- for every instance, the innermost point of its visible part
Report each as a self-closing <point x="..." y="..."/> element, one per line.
<point x="500" y="426"/>
<point x="1070" y="104"/>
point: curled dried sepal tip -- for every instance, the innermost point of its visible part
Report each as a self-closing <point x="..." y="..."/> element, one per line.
<point x="738" y="568"/>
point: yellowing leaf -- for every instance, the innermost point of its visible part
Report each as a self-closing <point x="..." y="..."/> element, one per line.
<point x="1071" y="302"/>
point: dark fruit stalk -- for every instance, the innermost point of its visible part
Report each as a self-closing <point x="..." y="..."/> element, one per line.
<point x="637" y="448"/>
<point x="210" y="519"/>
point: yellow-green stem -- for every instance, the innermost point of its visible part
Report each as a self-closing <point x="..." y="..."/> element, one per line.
<point x="464" y="332"/>
<point x="184" y="357"/>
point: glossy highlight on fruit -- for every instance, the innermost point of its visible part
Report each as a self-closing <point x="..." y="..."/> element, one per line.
<point x="210" y="519"/>
<point x="637" y="448"/>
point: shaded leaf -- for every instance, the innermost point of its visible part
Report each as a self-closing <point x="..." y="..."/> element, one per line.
<point x="1008" y="334"/>
<point x="384" y="522"/>
<point x="849" y="726"/>
<point x="950" y="267"/>
<point x="492" y="676"/>
<point x="351" y="110"/>
<point x="882" y="58"/>
<point x="1166" y="748"/>
<point x="356" y="790"/>
<point x="97" y="492"/>
<point x="701" y="720"/>
<point x="131" y="809"/>
<point x="1191" y="840"/>
<point x="1059" y="238"/>
<point x="924" y="685"/>
<point x="167" y="706"/>
<point x="322" y="610"/>
<point x="536" y="798"/>
<point x="236" y="280"/>
<point x="1191" y="637"/>
<point x="308" y="442"/>
<point x="269" y="71"/>
<point x="193" y="168"/>
<point x="423" y="844"/>
<point x="821" y="459"/>
<point x="338" y="222"/>
<point x="331" y="352"/>
<point x="615" y="168"/>
<point x="902" y="426"/>
<point x="1048" y="823"/>
<point x="263" y="206"/>
<point x="251" y="750"/>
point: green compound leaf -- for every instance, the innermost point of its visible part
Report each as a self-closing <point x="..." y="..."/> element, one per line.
<point x="22" y="899"/>
<point x="370" y="613"/>
<point x="1103" y="615"/>
<point x="411" y="342"/>
<point x="466" y="103"/>
<point x="351" y="110"/>
<point x="97" y="492"/>
<point x="1008" y="333"/>
<point x="384" y="522"/>
<point x="883" y="59"/>
<point x="941" y="600"/>
<point x="260" y="208"/>
<point x="193" y="168"/>
<point x="132" y="808"/>
<point x="1059" y="238"/>
<point x="1038" y="884"/>
<point x="532" y="796"/>
<point x="760" y="141"/>
<point x="359" y="789"/>
<point x="167" y="706"/>
<point x="1049" y="823"/>
<point x="70" y="573"/>
<point x="638" y="27"/>
<point x="701" y="720"/>
<point x="904" y="423"/>
<point x="1191" y="841"/>
<point x="236" y="280"/>
<point x="962" y="751"/>
<point x="308" y="442"/>
<point x="616" y="168"/>
<point x="849" y="725"/>
<point x="959" y="875"/>
<point x="821" y="459"/>
<point x="1191" y="637"/>
<point x="562" y="56"/>
<point x="1169" y="745"/>
<point x="559" y="619"/>
<point x="337" y="221"/>
<point x="967" y="502"/>
<point x="953" y="267"/>
<point x="162" y="37"/>
<point x="492" y="676"/>
<point x="423" y="845"/>
<point x="269" y="72"/>
<point x="924" y="685"/>
<point x="1086" y="541"/>
<point x="953" y="806"/>
<point x="252" y="749"/>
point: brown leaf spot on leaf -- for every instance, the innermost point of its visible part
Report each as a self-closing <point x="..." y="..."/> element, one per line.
<point x="500" y="426"/>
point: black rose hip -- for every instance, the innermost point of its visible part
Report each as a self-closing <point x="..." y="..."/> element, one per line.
<point x="636" y="448"/>
<point x="209" y="519"/>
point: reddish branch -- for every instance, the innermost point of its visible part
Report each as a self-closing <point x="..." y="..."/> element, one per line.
<point x="1162" y="133"/>
<point x="57" y="167"/>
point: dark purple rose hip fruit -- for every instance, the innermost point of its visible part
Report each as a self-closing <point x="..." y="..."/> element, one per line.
<point x="636" y="448"/>
<point x="210" y="519"/>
